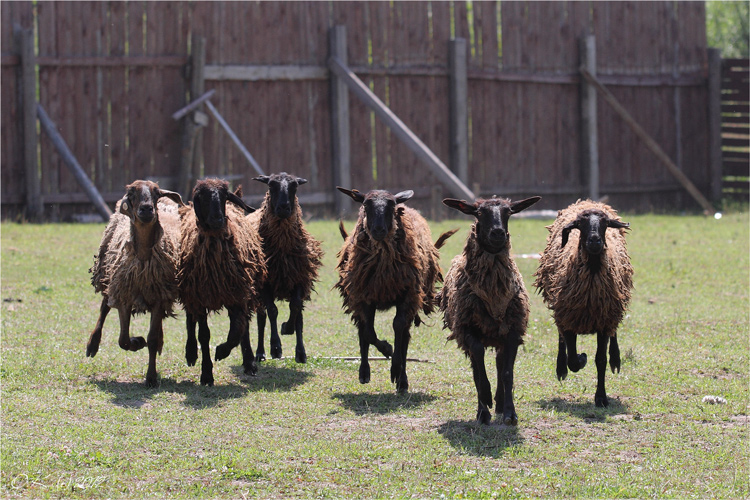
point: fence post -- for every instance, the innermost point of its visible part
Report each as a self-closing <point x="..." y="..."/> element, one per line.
<point x="589" y="138"/>
<point x="27" y="97"/>
<point x="340" y="145"/>
<point x="459" y="121"/>
<point x="191" y="146"/>
<point x="714" y="123"/>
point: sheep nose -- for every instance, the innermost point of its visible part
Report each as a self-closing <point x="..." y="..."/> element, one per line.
<point x="146" y="212"/>
<point x="283" y="210"/>
<point x="379" y="232"/>
<point x="216" y="222"/>
<point x="594" y="245"/>
<point x="497" y="235"/>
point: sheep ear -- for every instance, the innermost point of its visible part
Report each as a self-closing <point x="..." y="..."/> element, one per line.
<point x="238" y="201"/>
<point x="566" y="231"/>
<point x="519" y="206"/>
<point x="618" y="224"/>
<point x="262" y="178"/>
<point x="461" y="206"/>
<point x="403" y="196"/>
<point x="301" y="181"/>
<point x="353" y="194"/>
<point x="125" y="208"/>
<point x="175" y="197"/>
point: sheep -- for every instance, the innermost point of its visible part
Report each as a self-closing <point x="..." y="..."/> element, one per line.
<point x="136" y="268"/>
<point x="293" y="258"/>
<point x="221" y="265"/>
<point x="388" y="260"/>
<point x="587" y="285"/>
<point x="484" y="301"/>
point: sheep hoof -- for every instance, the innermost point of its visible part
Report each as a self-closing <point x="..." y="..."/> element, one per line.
<point x="152" y="381"/>
<point x="601" y="400"/>
<point x="91" y="350"/>
<point x="300" y="356"/>
<point x="222" y="351"/>
<point x="285" y="330"/>
<point x="483" y="415"/>
<point x="364" y="374"/>
<point x="207" y="379"/>
<point x="582" y="359"/>
<point x="137" y="343"/>
<point x="614" y="363"/>
<point x="562" y="372"/>
<point x="385" y="348"/>
<point x="260" y="356"/>
<point x="276" y="351"/>
<point x="510" y="418"/>
<point x="402" y="387"/>
<point x="252" y="369"/>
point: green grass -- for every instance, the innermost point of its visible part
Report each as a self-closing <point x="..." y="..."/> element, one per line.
<point x="77" y="427"/>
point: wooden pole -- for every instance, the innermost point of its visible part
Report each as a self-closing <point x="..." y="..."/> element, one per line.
<point x="459" y="114"/>
<point x="714" y="122"/>
<point x="234" y="137"/>
<point x="27" y="97"/>
<point x="650" y="143"/>
<point x="589" y="134"/>
<point x="340" y="139"/>
<point x="191" y="150"/>
<point x="363" y="92"/>
<point x="67" y="156"/>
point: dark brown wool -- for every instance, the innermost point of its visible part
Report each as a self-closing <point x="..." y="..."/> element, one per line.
<point x="125" y="279"/>
<point x="293" y="256"/>
<point x="483" y="294"/>
<point x="581" y="301"/>
<point x="404" y="266"/>
<point x="219" y="269"/>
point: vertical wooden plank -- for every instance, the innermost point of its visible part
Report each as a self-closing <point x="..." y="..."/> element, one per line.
<point x="341" y="152"/>
<point x="714" y="122"/>
<point x="459" y="157"/>
<point x="589" y="129"/>
<point x="120" y="169"/>
<point x="25" y="43"/>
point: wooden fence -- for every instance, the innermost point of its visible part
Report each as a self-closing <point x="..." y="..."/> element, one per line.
<point x="735" y="128"/>
<point x="111" y="88"/>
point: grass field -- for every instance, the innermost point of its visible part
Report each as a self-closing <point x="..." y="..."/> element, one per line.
<point x="77" y="427"/>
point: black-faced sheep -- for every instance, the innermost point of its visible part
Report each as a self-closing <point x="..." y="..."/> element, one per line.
<point x="388" y="260"/>
<point x="293" y="258"/>
<point x="136" y="268"/>
<point x="221" y="265"/>
<point x="484" y="300"/>
<point x="586" y="279"/>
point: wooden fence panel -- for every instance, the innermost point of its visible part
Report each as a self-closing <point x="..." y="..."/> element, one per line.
<point x="735" y="130"/>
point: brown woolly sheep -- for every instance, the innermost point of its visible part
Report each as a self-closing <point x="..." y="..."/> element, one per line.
<point x="293" y="258"/>
<point x="586" y="279"/>
<point x="136" y="268"/>
<point x="221" y="265"/>
<point x="388" y="260"/>
<point x="484" y="301"/>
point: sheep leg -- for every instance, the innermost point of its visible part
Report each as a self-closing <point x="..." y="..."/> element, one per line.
<point x="484" y="391"/>
<point x="155" y="344"/>
<point x="562" y="359"/>
<point x="366" y="333"/>
<point x="204" y="336"/>
<point x="127" y="342"/>
<point x="294" y="324"/>
<point x="237" y="326"/>
<point x="505" y="361"/>
<point x="273" y="314"/>
<point x="600" y="398"/>
<point x="614" y="354"/>
<point x="92" y="347"/>
<point x="576" y="361"/>
<point x="260" y="354"/>
<point x="248" y="358"/>
<point x="191" y="345"/>
<point x="401" y="342"/>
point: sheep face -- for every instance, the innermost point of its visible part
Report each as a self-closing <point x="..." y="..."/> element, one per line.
<point x="380" y="209"/>
<point x="209" y="202"/>
<point x="282" y="189"/>
<point x="139" y="202"/>
<point x="592" y="225"/>
<point x="492" y="219"/>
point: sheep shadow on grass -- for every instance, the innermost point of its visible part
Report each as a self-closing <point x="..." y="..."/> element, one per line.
<point x="136" y="395"/>
<point x="363" y="403"/>
<point x="469" y="436"/>
<point x="585" y="409"/>
<point x="272" y="377"/>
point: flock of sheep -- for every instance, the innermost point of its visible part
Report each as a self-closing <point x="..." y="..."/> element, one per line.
<point x="217" y="252"/>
